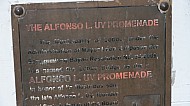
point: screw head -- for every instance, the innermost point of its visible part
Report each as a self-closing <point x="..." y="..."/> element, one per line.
<point x="19" y="11"/>
<point x="164" y="6"/>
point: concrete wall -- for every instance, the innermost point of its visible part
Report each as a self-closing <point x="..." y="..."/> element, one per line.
<point x="181" y="50"/>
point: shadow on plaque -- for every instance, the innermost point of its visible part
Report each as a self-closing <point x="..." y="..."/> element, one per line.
<point x="142" y="100"/>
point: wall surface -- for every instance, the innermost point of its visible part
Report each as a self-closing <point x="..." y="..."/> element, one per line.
<point x="180" y="52"/>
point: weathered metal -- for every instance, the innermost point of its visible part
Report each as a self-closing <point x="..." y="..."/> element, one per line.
<point x="93" y="53"/>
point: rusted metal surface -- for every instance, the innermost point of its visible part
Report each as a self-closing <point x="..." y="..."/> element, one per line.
<point x="93" y="53"/>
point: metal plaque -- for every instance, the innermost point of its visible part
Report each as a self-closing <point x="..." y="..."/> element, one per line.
<point x="92" y="53"/>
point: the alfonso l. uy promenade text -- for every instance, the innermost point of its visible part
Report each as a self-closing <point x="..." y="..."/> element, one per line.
<point x="90" y="77"/>
<point x="92" y="25"/>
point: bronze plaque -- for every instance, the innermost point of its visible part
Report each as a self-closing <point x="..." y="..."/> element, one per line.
<point x="83" y="55"/>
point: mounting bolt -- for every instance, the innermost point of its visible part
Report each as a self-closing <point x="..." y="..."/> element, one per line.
<point x="19" y="11"/>
<point x="164" y="6"/>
